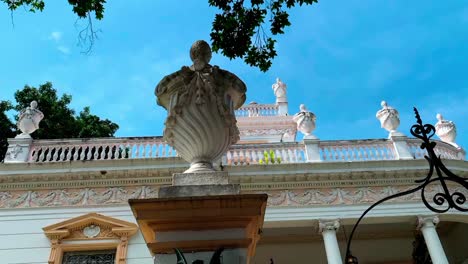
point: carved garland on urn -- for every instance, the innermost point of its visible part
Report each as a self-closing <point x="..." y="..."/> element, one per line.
<point x="200" y="101"/>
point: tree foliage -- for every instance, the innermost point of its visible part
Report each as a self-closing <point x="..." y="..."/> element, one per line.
<point x="6" y="127"/>
<point x="242" y="28"/>
<point x="59" y="120"/>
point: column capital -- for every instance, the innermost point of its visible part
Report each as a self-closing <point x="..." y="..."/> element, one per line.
<point x="427" y="221"/>
<point x="329" y="224"/>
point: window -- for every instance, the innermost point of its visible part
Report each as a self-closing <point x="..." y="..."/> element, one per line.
<point x="89" y="257"/>
<point x="89" y="239"/>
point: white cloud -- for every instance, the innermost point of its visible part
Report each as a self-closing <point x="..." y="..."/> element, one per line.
<point x="63" y="49"/>
<point x="56" y="36"/>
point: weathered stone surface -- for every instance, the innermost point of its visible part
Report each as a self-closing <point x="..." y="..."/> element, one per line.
<point x="198" y="190"/>
<point x="389" y="119"/>
<point x="201" y="178"/>
<point x="305" y="121"/>
<point x="200" y="101"/>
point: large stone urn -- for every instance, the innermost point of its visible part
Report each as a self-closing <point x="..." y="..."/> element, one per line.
<point x="200" y="101"/>
<point x="28" y="120"/>
<point x="446" y="130"/>
<point x="305" y="122"/>
<point x="389" y="119"/>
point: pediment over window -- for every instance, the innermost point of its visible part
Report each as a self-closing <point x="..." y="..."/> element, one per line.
<point x="82" y="232"/>
<point x="90" y="226"/>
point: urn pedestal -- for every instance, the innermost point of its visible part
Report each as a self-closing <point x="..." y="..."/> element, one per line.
<point x="198" y="226"/>
<point x="201" y="213"/>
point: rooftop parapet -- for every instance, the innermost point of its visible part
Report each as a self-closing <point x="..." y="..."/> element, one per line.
<point x="68" y="150"/>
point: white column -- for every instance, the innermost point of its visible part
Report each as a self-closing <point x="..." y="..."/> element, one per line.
<point x="328" y="229"/>
<point x="427" y="226"/>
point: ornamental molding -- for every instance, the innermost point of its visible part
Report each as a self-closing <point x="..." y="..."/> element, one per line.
<point x="86" y="230"/>
<point x="14" y="152"/>
<point x="267" y="132"/>
<point x="276" y="198"/>
<point x="58" y="176"/>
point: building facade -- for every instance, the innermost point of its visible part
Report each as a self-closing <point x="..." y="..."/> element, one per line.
<point x="66" y="200"/>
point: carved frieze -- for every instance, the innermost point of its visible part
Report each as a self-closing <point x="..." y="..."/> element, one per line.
<point x="285" y="197"/>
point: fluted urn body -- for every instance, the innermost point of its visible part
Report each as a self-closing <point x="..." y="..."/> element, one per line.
<point x="200" y="101"/>
<point x="446" y="130"/>
<point x="388" y="117"/>
<point x="28" y="120"/>
<point x="305" y="121"/>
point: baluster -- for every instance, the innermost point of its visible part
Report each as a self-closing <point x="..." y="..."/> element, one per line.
<point x="164" y="150"/>
<point x="296" y="155"/>
<point x="96" y="152"/>
<point x="362" y="153"/>
<point x="249" y="155"/>
<point x="89" y="153"/>
<point x="284" y="156"/>
<point x="322" y="151"/>
<point x="278" y="155"/>
<point x="158" y="149"/>
<point x="254" y="158"/>
<point x="228" y="157"/>
<point x="329" y="153"/>
<point x="41" y="156"/>
<point x="235" y="156"/>
<point x="109" y="151"/>
<point x="49" y="154"/>
<point x="382" y="152"/>
<point x="33" y="156"/>
<point x="143" y="150"/>
<point x="83" y="152"/>
<point x="342" y="151"/>
<point x="150" y="152"/>
<point x="75" y="154"/>
<point x="137" y="151"/>
<point x="349" y="152"/>
<point x="55" y="155"/>
<point x="116" y="152"/>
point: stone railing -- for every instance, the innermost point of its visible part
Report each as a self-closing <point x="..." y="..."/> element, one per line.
<point x="65" y="150"/>
<point x="99" y="149"/>
<point x="252" y="110"/>
<point x="356" y="150"/>
<point x="245" y="154"/>
<point x="445" y="150"/>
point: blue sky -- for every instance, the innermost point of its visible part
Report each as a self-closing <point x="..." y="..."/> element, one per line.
<point x="340" y="58"/>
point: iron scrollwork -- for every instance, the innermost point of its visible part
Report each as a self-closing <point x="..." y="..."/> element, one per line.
<point x="444" y="200"/>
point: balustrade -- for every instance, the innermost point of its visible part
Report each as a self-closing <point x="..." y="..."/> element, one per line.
<point x="99" y="149"/>
<point x="247" y="154"/>
<point x="357" y="150"/>
<point x="63" y="150"/>
<point x="445" y="150"/>
<point x="252" y="110"/>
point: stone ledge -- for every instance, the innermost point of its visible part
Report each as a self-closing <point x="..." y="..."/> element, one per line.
<point x="201" y="178"/>
<point x="198" y="190"/>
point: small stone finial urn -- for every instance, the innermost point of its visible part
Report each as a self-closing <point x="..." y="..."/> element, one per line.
<point x="305" y="122"/>
<point x="389" y="119"/>
<point x="200" y="101"/>
<point x="446" y="130"/>
<point x="28" y="120"/>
